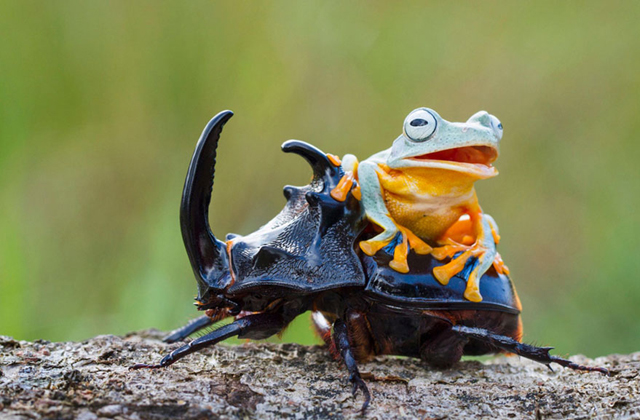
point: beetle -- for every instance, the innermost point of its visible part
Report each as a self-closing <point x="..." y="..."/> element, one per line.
<point x="306" y="259"/>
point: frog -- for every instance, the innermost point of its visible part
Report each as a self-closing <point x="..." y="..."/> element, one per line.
<point x="419" y="195"/>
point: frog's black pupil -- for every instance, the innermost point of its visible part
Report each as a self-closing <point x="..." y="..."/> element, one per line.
<point x="419" y="122"/>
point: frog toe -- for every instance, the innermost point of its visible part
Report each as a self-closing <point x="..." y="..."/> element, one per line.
<point x="444" y="273"/>
<point x="400" y="253"/>
<point x="472" y="291"/>
<point x="371" y="246"/>
<point x="399" y="242"/>
<point x="341" y="191"/>
<point x="473" y="295"/>
<point x="400" y="266"/>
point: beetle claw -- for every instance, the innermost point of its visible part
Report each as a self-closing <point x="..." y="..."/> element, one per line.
<point x="537" y="354"/>
<point x="358" y="383"/>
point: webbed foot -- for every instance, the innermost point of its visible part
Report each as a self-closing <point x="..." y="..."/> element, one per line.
<point x="406" y="240"/>
<point x="464" y="253"/>
<point x="340" y="192"/>
<point x="349" y="181"/>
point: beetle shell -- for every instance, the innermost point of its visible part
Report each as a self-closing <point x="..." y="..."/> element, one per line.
<point x="420" y="288"/>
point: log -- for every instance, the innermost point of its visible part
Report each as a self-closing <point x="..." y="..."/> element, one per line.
<point x="90" y="380"/>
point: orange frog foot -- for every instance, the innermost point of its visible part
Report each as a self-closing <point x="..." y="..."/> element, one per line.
<point x="401" y="251"/>
<point x="340" y="192"/>
<point x="444" y="273"/>
<point x="348" y="180"/>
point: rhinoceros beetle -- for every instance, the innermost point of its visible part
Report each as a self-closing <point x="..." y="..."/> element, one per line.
<point x="306" y="259"/>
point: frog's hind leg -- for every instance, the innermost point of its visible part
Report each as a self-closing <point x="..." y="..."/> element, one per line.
<point x="508" y="344"/>
<point x="498" y="263"/>
<point x="483" y="250"/>
<point x="445" y="272"/>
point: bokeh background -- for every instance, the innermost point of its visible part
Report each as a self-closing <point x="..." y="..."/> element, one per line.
<point x="101" y="104"/>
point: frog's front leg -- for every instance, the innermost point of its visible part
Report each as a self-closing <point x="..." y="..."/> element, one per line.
<point x="376" y="211"/>
<point x="483" y="250"/>
<point x="375" y="208"/>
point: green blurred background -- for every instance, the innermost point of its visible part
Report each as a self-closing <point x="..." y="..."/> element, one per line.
<point x="101" y="104"/>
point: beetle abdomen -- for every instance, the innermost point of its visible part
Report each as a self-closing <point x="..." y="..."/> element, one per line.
<point x="429" y="336"/>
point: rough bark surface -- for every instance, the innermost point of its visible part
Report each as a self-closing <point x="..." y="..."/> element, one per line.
<point x="91" y="379"/>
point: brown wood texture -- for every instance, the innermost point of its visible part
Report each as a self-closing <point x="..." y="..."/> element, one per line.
<point x="91" y="380"/>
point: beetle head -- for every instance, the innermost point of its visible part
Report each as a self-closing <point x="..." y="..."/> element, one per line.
<point x="306" y="248"/>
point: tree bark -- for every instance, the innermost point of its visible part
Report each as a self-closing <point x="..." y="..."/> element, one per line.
<point x="91" y="380"/>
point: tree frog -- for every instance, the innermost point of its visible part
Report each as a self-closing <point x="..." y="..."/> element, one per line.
<point x="420" y="193"/>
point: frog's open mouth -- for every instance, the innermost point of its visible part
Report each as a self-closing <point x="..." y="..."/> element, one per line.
<point x="483" y="155"/>
<point x="472" y="160"/>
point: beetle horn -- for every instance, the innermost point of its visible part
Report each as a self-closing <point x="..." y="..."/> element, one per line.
<point x="207" y="254"/>
<point x="318" y="160"/>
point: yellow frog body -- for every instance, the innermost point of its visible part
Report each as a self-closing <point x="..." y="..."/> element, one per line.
<point x="422" y="188"/>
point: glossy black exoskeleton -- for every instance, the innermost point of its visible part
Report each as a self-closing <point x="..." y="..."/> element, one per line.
<point x="306" y="259"/>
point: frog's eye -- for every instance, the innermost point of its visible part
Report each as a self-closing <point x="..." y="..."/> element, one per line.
<point x="496" y="125"/>
<point x="420" y="125"/>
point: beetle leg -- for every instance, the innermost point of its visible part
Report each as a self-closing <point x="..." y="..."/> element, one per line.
<point x="359" y="331"/>
<point x="341" y="339"/>
<point x="537" y="354"/>
<point x="256" y="326"/>
<point x="323" y="328"/>
<point x="444" y="349"/>
<point x="186" y="330"/>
